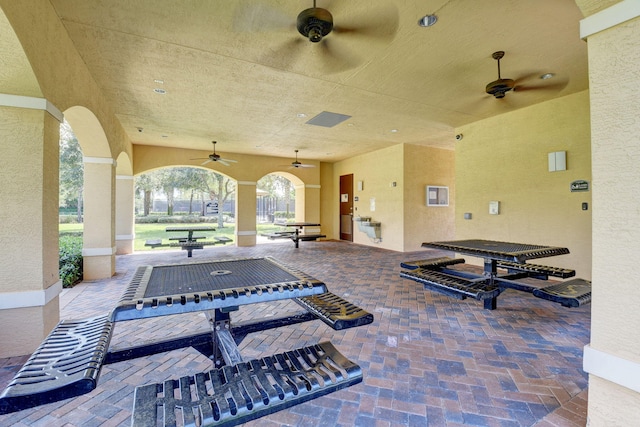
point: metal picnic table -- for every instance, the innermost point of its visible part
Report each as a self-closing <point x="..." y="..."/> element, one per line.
<point x="437" y="274"/>
<point x="68" y="362"/>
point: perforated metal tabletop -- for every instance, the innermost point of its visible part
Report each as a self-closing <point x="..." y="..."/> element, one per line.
<point x="497" y="250"/>
<point x="174" y="289"/>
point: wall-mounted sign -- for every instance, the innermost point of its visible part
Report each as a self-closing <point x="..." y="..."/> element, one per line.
<point x="580" y="185"/>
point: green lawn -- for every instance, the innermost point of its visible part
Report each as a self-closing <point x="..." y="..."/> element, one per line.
<point x="145" y="232"/>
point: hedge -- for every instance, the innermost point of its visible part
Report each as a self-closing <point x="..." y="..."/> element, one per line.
<point x="70" y="264"/>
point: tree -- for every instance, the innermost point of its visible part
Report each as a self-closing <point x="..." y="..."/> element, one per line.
<point x="279" y="188"/>
<point x="71" y="170"/>
<point x="219" y="188"/>
<point x="145" y="184"/>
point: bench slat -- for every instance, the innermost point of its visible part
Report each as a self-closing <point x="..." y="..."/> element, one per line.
<point x="245" y="391"/>
<point x="537" y="269"/>
<point x="336" y="312"/>
<point x="66" y="364"/>
<point x="431" y="263"/>
<point x="572" y="293"/>
<point x="453" y="286"/>
<point x="309" y="237"/>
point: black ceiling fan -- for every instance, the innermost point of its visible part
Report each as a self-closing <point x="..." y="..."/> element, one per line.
<point x="316" y="24"/>
<point x="296" y="164"/>
<point x="213" y="157"/>
<point x="499" y="88"/>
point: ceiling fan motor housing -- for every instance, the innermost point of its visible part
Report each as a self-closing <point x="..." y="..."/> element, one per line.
<point x="315" y="23"/>
<point x="499" y="87"/>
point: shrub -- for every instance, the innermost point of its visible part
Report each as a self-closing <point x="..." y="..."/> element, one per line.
<point x="70" y="264"/>
<point x="68" y="219"/>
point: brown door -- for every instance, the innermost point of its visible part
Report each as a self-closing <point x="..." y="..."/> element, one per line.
<point x="346" y="207"/>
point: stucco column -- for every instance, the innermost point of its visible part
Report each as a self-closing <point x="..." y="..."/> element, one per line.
<point x="246" y="213"/>
<point x="99" y="218"/>
<point x="125" y="223"/>
<point x="308" y="205"/>
<point x="612" y="358"/>
<point x="29" y="280"/>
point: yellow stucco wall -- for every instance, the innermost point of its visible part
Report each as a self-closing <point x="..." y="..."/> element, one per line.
<point x="505" y="159"/>
<point x="401" y="208"/>
<point x="427" y="166"/>
<point x="377" y="170"/>
<point x="614" y="65"/>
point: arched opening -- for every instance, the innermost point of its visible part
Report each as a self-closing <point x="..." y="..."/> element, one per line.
<point x="182" y="196"/>
<point x="99" y="247"/>
<point x="279" y="198"/>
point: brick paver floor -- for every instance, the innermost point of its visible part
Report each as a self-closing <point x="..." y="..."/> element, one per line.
<point x="427" y="360"/>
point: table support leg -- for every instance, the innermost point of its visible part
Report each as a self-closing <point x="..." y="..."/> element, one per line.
<point x="490" y="271"/>
<point x="491" y="303"/>
<point x="223" y="343"/>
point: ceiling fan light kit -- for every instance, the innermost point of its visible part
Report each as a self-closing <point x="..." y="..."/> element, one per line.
<point x="315" y="23"/>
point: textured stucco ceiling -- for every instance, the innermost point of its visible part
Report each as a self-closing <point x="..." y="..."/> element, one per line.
<point x="239" y="72"/>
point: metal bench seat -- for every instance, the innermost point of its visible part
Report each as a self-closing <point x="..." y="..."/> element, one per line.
<point x="542" y="270"/>
<point x="67" y="364"/>
<point x="309" y="237"/>
<point x="185" y="238"/>
<point x="245" y="391"/>
<point x="572" y="293"/>
<point x="336" y="312"/>
<point x="154" y="243"/>
<point x="431" y="263"/>
<point x="453" y="286"/>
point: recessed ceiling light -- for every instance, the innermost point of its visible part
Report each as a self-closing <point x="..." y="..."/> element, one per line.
<point x="158" y="81"/>
<point x="394" y="131"/>
<point x="427" y="20"/>
<point x="301" y="115"/>
<point x="547" y="76"/>
<point x="160" y="91"/>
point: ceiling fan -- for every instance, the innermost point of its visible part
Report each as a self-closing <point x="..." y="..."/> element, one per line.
<point x="297" y="164"/>
<point x="316" y="25"/>
<point x="498" y="88"/>
<point x="213" y="157"/>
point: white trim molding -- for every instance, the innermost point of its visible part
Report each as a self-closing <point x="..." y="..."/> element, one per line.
<point x="247" y="233"/>
<point x="99" y="160"/>
<point x="30" y="298"/>
<point x="247" y="183"/>
<point x="312" y="186"/>
<point x="127" y="177"/>
<point x="99" y="251"/>
<point x="125" y="236"/>
<point x="32" y="103"/>
<point x="612" y="368"/>
<point x="610" y="17"/>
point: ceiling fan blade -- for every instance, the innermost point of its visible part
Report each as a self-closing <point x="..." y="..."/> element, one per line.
<point x="555" y="87"/>
<point x="222" y="162"/>
<point x="204" y="163"/>
<point x="252" y="17"/>
<point x="381" y="24"/>
<point x="284" y="56"/>
<point x="336" y="58"/>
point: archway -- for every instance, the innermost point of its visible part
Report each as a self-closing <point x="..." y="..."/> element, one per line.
<point x="99" y="246"/>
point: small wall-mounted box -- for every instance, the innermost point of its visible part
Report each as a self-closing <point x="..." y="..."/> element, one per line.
<point x="558" y="161"/>
<point x="494" y="208"/>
